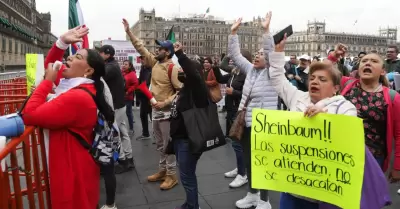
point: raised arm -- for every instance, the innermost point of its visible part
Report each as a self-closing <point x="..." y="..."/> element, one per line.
<point x="234" y="50"/>
<point x="268" y="40"/>
<point x="282" y="86"/>
<point x="139" y="46"/>
<point x="223" y="79"/>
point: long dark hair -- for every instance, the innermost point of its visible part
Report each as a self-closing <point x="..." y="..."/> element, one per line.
<point x="95" y="61"/>
<point x="130" y="65"/>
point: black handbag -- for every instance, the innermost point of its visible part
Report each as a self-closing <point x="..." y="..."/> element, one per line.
<point x="203" y="128"/>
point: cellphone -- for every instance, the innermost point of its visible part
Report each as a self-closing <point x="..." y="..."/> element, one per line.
<point x="281" y="34"/>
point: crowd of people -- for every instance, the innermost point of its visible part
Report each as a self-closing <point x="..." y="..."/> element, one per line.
<point x="335" y="85"/>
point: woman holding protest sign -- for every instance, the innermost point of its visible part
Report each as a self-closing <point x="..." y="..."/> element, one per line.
<point x="324" y="85"/>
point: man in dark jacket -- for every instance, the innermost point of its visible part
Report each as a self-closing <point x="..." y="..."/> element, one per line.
<point x="116" y="83"/>
<point x="145" y="107"/>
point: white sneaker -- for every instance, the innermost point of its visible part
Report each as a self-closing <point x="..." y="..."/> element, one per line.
<point x="263" y="205"/>
<point x="231" y="174"/>
<point x="107" y="207"/>
<point x="398" y="192"/>
<point x="239" y="181"/>
<point x="251" y="200"/>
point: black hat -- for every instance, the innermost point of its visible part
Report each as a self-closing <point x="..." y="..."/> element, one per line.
<point x="107" y="49"/>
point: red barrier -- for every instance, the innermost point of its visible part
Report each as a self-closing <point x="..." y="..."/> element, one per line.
<point x="34" y="171"/>
<point x="13" y="91"/>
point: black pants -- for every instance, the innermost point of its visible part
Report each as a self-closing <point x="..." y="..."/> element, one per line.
<point x="247" y="161"/>
<point x="110" y="182"/>
<point x="230" y="117"/>
<point x="145" y="111"/>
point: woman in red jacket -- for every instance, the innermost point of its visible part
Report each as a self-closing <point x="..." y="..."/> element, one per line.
<point x="377" y="105"/>
<point x="74" y="175"/>
<point x="131" y="83"/>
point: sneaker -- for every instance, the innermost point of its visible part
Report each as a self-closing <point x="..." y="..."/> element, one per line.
<point x="263" y="205"/>
<point x="108" y="207"/>
<point x="239" y="181"/>
<point x="131" y="132"/>
<point x="398" y="192"/>
<point x="231" y="174"/>
<point x="142" y="137"/>
<point x="251" y="200"/>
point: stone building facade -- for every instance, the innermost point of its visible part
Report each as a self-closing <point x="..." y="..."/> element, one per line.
<point x="23" y="30"/>
<point x="316" y="40"/>
<point x="200" y="36"/>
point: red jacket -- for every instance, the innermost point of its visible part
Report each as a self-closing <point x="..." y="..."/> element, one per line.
<point x="131" y="83"/>
<point x="74" y="176"/>
<point x="392" y="122"/>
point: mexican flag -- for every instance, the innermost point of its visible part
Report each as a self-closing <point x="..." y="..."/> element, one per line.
<point x="171" y="35"/>
<point x="75" y="19"/>
<point x="208" y="11"/>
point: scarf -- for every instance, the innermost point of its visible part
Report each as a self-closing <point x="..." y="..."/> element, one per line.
<point x="64" y="86"/>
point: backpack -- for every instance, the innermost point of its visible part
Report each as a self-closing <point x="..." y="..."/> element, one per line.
<point x="392" y="92"/>
<point x="170" y="68"/>
<point x="106" y="144"/>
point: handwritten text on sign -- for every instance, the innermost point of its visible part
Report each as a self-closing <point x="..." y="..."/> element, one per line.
<point x="321" y="157"/>
<point x="31" y="63"/>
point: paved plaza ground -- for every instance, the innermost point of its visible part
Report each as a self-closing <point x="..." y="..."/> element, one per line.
<point x="134" y="192"/>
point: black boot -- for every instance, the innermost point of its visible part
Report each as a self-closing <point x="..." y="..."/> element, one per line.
<point x="131" y="163"/>
<point x="121" y="167"/>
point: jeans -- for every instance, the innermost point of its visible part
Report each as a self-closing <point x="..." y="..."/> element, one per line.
<point x="110" y="181"/>
<point x="129" y="113"/>
<point x="145" y="111"/>
<point x="291" y="202"/>
<point x="237" y="147"/>
<point x="380" y="160"/>
<point x="247" y="160"/>
<point x="187" y="170"/>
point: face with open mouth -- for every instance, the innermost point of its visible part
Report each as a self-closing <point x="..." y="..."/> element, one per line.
<point x="259" y="61"/>
<point x="77" y="65"/>
<point x="321" y="84"/>
<point x="371" y="67"/>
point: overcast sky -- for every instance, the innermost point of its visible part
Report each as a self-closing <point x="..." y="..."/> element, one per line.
<point x="103" y="17"/>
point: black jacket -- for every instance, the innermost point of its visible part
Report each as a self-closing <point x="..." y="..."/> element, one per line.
<point x="194" y="92"/>
<point x="115" y="82"/>
<point x="303" y="84"/>
<point x="232" y="102"/>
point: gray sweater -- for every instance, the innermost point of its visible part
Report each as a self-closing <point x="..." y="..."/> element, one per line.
<point x="263" y="94"/>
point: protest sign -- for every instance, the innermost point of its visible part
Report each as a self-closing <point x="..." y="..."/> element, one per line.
<point x="320" y="157"/>
<point x="124" y="50"/>
<point x="34" y="70"/>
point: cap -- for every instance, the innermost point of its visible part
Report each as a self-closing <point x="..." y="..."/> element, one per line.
<point x="166" y="45"/>
<point x="107" y="49"/>
<point x="304" y="57"/>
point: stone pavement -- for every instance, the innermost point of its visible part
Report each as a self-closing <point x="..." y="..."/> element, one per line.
<point x="134" y="192"/>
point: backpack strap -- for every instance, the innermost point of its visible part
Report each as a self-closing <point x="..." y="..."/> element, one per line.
<point x="348" y="82"/>
<point x="170" y="68"/>
<point x="392" y="94"/>
<point x="80" y="139"/>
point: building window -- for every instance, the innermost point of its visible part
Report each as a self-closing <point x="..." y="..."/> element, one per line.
<point x="10" y="46"/>
<point x="16" y="47"/>
<point x="147" y="42"/>
<point x="3" y="44"/>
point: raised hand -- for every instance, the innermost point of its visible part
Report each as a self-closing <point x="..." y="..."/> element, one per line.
<point x="177" y="46"/>
<point x="235" y="26"/>
<point x="74" y="35"/>
<point x="281" y="46"/>
<point x="126" y="25"/>
<point x="267" y="22"/>
<point x="340" y="50"/>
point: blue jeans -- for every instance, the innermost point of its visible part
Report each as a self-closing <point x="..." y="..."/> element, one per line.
<point x="187" y="163"/>
<point x="239" y="157"/>
<point x="289" y="201"/>
<point x="129" y="113"/>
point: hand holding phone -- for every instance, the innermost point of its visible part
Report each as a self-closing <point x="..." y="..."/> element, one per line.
<point x="281" y="34"/>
